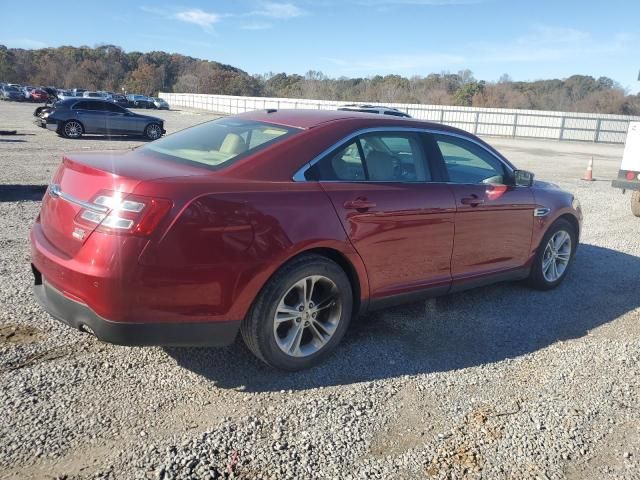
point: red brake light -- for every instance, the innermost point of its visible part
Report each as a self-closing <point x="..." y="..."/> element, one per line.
<point x="124" y="214"/>
<point x="157" y="208"/>
<point x="631" y="176"/>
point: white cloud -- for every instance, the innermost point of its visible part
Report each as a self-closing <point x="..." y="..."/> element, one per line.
<point x="198" y="17"/>
<point x="256" y="26"/>
<point x="279" y="10"/>
<point x="541" y="45"/>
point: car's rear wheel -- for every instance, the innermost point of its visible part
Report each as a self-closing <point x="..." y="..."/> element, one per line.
<point x="635" y="203"/>
<point x="153" y="131"/>
<point x="555" y="255"/>
<point x="72" y="129"/>
<point x="301" y="315"/>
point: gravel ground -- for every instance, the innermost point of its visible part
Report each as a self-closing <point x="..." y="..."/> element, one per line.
<point x="498" y="382"/>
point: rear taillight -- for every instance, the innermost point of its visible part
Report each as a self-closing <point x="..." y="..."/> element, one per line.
<point x="124" y="214"/>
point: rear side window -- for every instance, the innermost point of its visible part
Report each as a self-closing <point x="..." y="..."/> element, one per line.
<point x="112" y="107"/>
<point x="80" y="106"/>
<point x="376" y="157"/>
<point x="216" y="144"/>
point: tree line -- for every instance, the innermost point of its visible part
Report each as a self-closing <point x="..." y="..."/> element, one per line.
<point x="108" y="67"/>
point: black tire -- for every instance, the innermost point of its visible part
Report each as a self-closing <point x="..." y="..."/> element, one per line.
<point x="635" y="203"/>
<point x="258" y="330"/>
<point x="537" y="278"/>
<point x="67" y="132"/>
<point x="153" y="131"/>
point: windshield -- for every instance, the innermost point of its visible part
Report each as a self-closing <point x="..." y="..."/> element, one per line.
<point x="215" y="144"/>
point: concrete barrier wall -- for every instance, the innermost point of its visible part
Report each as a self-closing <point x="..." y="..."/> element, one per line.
<point x="590" y="127"/>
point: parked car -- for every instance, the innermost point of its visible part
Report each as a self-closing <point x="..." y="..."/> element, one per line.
<point x="159" y="103"/>
<point x="78" y="91"/>
<point x="380" y="110"/>
<point x="75" y="117"/>
<point x="140" y="101"/>
<point x="38" y="95"/>
<point x="120" y="100"/>
<point x="282" y="225"/>
<point x="26" y="91"/>
<point x="9" y="92"/>
<point x="64" y="94"/>
<point x="101" y="95"/>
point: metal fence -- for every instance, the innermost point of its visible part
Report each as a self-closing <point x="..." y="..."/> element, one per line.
<point x="590" y="127"/>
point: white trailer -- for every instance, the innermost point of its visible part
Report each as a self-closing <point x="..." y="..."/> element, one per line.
<point x="629" y="174"/>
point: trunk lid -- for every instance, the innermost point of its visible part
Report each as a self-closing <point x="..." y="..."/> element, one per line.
<point x="82" y="176"/>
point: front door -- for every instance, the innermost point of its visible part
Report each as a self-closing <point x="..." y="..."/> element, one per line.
<point x="399" y="222"/>
<point x="494" y="219"/>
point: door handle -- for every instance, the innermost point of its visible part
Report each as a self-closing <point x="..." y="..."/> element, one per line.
<point x="359" y="204"/>
<point x="473" y="200"/>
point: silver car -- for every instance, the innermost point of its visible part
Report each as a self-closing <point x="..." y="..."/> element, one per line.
<point x="160" y="103"/>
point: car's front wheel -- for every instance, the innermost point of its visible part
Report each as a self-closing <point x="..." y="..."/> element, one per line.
<point x="555" y="255"/>
<point x="635" y="203"/>
<point x="72" y="129"/>
<point x="153" y="131"/>
<point x="301" y="315"/>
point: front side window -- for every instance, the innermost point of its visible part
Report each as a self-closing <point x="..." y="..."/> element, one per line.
<point x="217" y="143"/>
<point x="469" y="163"/>
<point x="376" y="157"/>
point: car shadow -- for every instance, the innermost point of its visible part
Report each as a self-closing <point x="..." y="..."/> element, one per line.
<point x="16" y="193"/>
<point x="112" y="138"/>
<point x="466" y="329"/>
<point x="7" y="140"/>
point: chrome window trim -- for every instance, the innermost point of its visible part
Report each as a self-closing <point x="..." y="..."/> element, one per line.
<point x="299" y="175"/>
<point x="56" y="192"/>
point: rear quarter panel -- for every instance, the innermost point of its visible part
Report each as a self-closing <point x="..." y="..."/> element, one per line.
<point x="227" y="239"/>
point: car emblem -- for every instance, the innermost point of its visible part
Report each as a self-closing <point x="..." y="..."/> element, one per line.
<point x="78" y="233"/>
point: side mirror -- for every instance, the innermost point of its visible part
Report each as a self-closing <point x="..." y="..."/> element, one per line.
<point x="523" y="178"/>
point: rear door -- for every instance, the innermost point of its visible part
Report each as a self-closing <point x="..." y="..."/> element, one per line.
<point x="399" y="221"/>
<point x="494" y="219"/>
<point x="92" y="116"/>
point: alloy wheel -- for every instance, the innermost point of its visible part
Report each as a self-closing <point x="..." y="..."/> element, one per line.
<point x="72" y="129"/>
<point x="153" y="132"/>
<point x="557" y="255"/>
<point x="307" y="316"/>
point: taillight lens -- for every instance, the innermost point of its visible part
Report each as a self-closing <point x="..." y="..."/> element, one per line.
<point x="125" y="214"/>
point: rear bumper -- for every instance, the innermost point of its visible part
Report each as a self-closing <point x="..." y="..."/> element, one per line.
<point x="80" y="316"/>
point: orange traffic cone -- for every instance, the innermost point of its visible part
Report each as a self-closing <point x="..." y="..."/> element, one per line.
<point x="588" y="175"/>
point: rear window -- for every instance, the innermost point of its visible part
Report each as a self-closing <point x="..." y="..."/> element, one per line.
<point x="216" y="144"/>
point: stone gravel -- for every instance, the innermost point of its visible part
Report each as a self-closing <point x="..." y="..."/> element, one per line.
<point x="499" y="382"/>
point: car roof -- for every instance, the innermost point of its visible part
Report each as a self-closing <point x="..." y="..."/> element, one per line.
<point x="306" y="119"/>
<point x="69" y="101"/>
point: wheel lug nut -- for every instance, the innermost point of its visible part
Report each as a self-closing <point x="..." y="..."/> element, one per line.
<point x="310" y="304"/>
<point x="301" y="308"/>
<point x="313" y="315"/>
<point x="298" y="320"/>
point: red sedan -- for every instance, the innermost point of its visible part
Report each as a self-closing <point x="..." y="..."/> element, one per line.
<point x="37" y="95"/>
<point x="283" y="225"/>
